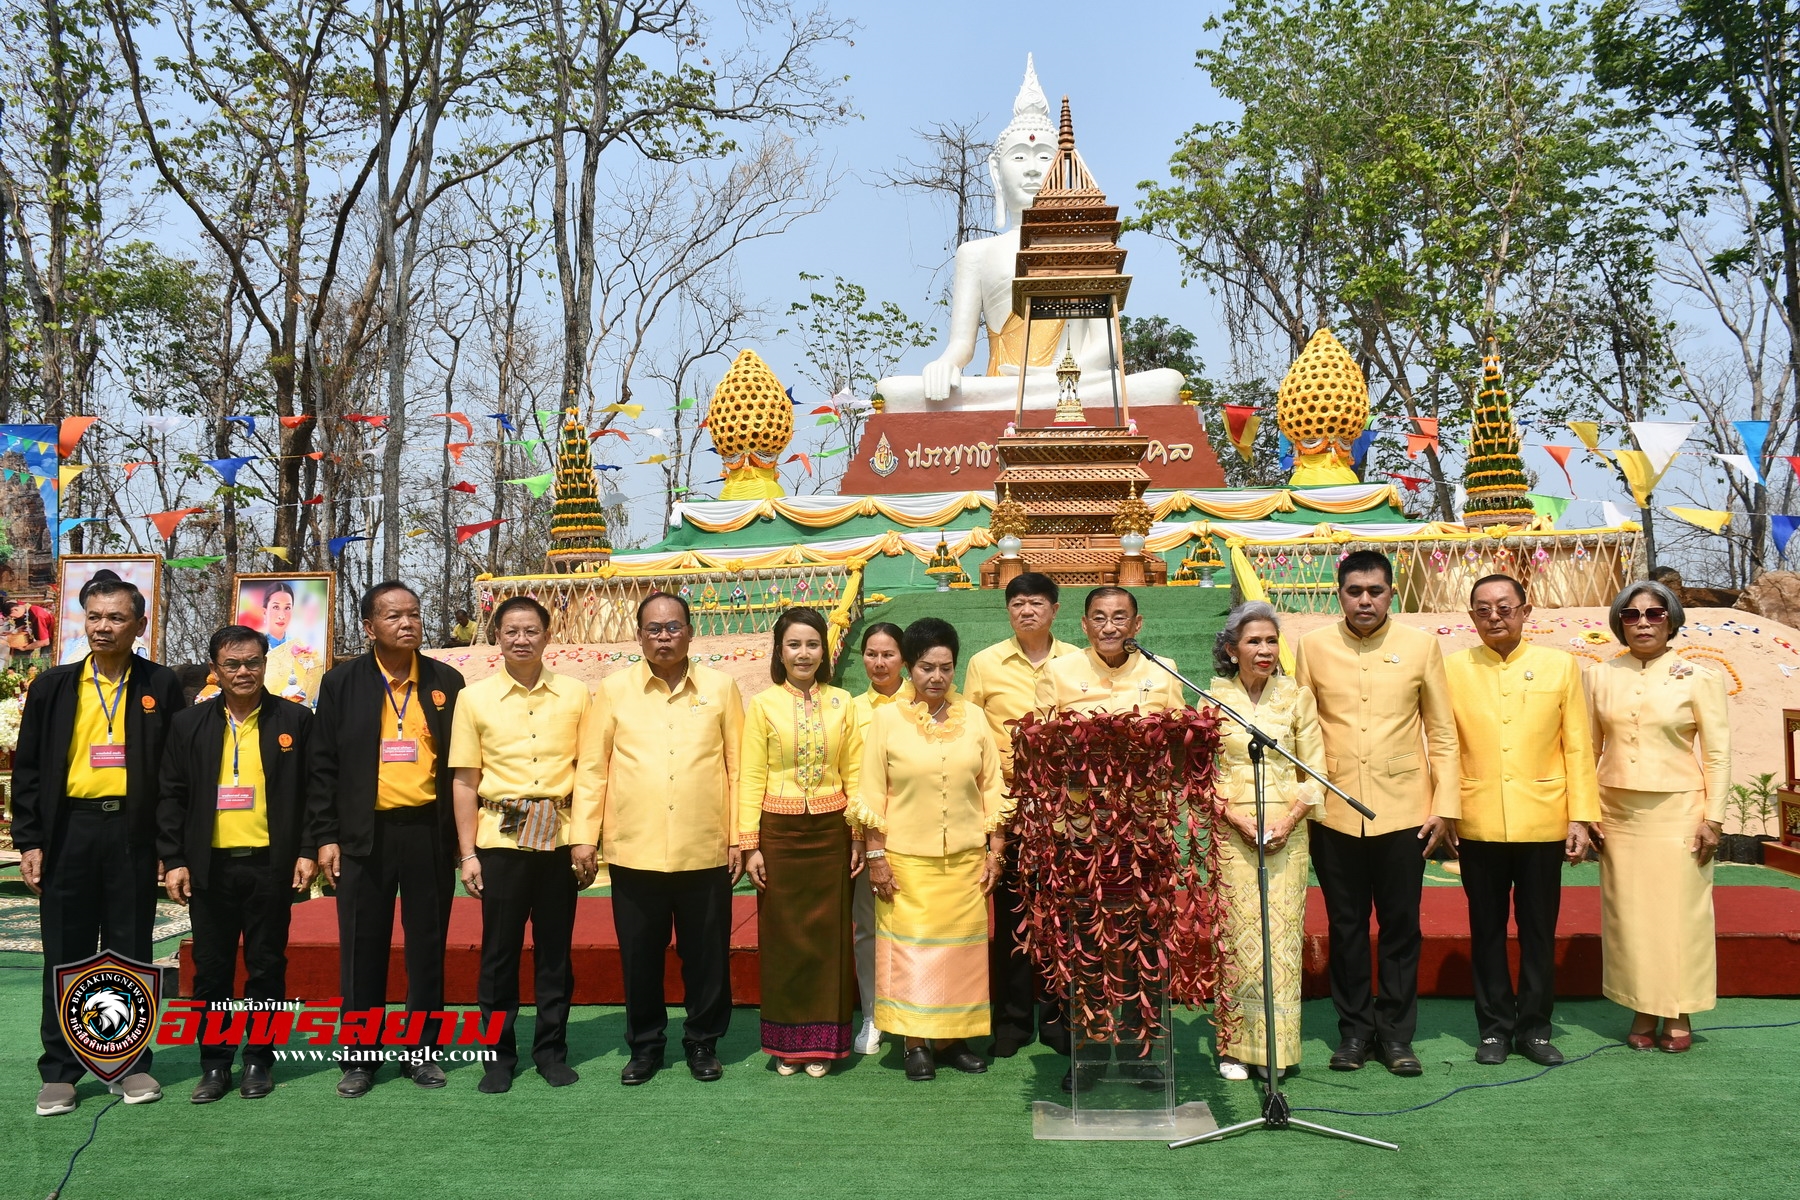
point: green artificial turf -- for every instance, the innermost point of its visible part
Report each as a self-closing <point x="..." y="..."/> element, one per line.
<point x="1715" y="1122"/>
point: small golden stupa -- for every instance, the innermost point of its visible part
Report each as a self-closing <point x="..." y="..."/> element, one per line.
<point x="1323" y="406"/>
<point x="1068" y="399"/>
<point x="751" y="420"/>
<point x="944" y="566"/>
<point x="1197" y="568"/>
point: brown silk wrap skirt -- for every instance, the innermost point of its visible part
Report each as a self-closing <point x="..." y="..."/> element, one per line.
<point x="808" y="970"/>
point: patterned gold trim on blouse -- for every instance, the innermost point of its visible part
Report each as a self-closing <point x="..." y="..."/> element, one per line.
<point x="950" y="729"/>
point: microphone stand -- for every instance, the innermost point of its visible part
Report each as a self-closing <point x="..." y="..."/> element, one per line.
<point x="1276" y="1113"/>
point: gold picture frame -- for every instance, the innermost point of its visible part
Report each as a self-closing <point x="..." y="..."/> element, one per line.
<point x="299" y="630"/>
<point x="73" y="571"/>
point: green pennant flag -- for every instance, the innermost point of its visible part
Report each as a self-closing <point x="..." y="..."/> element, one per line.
<point x="1548" y="506"/>
<point x="550" y="417"/>
<point x="195" y="563"/>
<point x="827" y="419"/>
<point x="537" y="484"/>
<point x="831" y="453"/>
<point x="686" y="403"/>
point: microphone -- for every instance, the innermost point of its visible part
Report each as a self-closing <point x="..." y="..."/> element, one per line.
<point x="1133" y="646"/>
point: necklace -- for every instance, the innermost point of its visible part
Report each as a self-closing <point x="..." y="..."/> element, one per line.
<point x="938" y="712"/>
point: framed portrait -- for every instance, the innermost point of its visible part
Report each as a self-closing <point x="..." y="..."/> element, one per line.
<point x="294" y="613"/>
<point x="74" y="571"/>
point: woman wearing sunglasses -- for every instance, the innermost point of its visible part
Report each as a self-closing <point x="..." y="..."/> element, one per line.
<point x="1664" y="743"/>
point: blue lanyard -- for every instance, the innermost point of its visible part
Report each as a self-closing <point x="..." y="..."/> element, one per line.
<point x="118" y="695"/>
<point x="231" y="721"/>
<point x="400" y="708"/>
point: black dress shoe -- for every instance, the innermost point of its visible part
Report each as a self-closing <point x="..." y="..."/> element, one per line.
<point x="963" y="1059"/>
<point x="918" y="1065"/>
<point x="214" y="1083"/>
<point x="1399" y="1059"/>
<point x="1540" y="1051"/>
<point x="1350" y="1055"/>
<point x="1491" y="1052"/>
<point x="356" y="1082"/>
<point x="496" y="1080"/>
<point x="1005" y="1047"/>
<point x="641" y="1069"/>
<point x="257" y="1082"/>
<point x="558" y="1074"/>
<point x="426" y="1074"/>
<point x="704" y="1065"/>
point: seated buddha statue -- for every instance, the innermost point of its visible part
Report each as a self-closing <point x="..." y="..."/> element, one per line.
<point x="981" y="301"/>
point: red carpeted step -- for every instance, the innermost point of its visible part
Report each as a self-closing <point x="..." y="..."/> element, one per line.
<point x="1758" y="937"/>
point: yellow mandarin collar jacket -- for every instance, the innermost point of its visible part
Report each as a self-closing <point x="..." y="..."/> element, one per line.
<point x="1286" y="713"/>
<point x="1390" y="734"/>
<point x="1082" y="682"/>
<point x="933" y="788"/>
<point x="1523" y="736"/>
<point x="1646" y="719"/>
<point x="669" y="769"/>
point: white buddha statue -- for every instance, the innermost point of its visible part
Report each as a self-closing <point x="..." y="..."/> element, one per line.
<point x="981" y="297"/>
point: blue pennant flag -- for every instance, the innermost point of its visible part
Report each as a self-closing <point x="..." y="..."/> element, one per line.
<point x="505" y="421"/>
<point x="1783" y="528"/>
<point x="1285" y="449"/>
<point x="249" y="423"/>
<point x="65" y="524"/>
<point x="1754" y="433"/>
<point x="1359" y="449"/>
<point x="228" y="468"/>
<point x="336" y="545"/>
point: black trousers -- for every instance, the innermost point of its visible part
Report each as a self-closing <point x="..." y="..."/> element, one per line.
<point x="697" y="906"/>
<point x="536" y="886"/>
<point x="1017" y="990"/>
<point x="408" y="859"/>
<point x="1383" y="874"/>
<point x="1525" y="878"/>
<point x="243" y="897"/>
<point x="99" y="894"/>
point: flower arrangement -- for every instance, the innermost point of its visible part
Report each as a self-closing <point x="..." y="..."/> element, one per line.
<point x="11" y="709"/>
<point x="1118" y="825"/>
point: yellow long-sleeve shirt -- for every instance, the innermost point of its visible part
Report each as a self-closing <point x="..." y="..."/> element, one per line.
<point x="530" y="743"/>
<point x="1003" y="682"/>
<point x="1285" y="712"/>
<point x="802" y="754"/>
<point x="934" y="788"/>
<point x="1647" y="718"/>
<point x="1389" y="730"/>
<point x="669" y="769"/>
<point x="1082" y="682"/>
<point x="1523" y="739"/>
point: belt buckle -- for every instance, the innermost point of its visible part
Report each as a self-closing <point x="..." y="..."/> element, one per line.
<point x="111" y="805"/>
<point x="242" y="851"/>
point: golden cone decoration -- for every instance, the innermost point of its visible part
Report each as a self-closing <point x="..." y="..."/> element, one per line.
<point x="751" y="421"/>
<point x="1322" y="407"/>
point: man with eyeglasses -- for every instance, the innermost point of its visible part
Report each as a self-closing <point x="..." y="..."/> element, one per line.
<point x="1107" y="677"/>
<point x="1002" y="681"/>
<point x="230" y="832"/>
<point x="1529" y="794"/>
<point x="668" y="731"/>
<point x="1390" y="741"/>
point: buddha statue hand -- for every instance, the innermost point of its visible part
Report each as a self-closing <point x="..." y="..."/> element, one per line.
<point x="941" y="377"/>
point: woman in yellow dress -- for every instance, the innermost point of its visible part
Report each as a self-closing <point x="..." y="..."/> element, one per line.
<point x="802" y="750"/>
<point x="934" y="808"/>
<point x="1664" y="743"/>
<point x="887" y="683"/>
<point x="1247" y="657"/>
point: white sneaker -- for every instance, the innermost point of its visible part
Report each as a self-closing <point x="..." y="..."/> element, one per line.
<point x="139" y="1088"/>
<point x="818" y="1069"/>
<point x="56" y="1098"/>
<point x="1232" y="1069"/>
<point x="868" y="1039"/>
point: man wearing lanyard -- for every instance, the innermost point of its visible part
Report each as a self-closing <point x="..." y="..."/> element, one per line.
<point x="379" y="811"/>
<point x="527" y="764"/>
<point x="230" y="835"/>
<point x="84" y="814"/>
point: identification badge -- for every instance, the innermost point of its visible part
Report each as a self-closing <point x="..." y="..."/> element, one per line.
<point x="399" y="750"/>
<point x="237" y="799"/>
<point x="106" y="755"/>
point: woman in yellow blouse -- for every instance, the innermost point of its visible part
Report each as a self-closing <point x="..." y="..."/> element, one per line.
<point x="802" y="752"/>
<point x="1664" y="743"/>
<point x="881" y="663"/>
<point x="933" y="804"/>
<point x="1247" y="656"/>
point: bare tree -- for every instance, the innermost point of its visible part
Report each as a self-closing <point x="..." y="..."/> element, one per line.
<point x="954" y="172"/>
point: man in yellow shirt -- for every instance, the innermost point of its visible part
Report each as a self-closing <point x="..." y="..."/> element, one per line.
<point x="378" y="808"/>
<point x="1002" y="681"/>
<point x="669" y="734"/>
<point x="1390" y="741"/>
<point x="84" y="789"/>
<point x="1108" y="677"/>
<point x="232" y="839"/>
<point x="1529" y="793"/>
<point x="527" y="763"/>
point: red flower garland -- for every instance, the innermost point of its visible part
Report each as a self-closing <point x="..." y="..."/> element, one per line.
<point x="1118" y="824"/>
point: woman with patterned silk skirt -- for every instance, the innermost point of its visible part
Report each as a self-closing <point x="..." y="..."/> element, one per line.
<point x="932" y="802"/>
<point x="802" y="750"/>
<point x="1664" y="743"/>
<point x="1246" y="655"/>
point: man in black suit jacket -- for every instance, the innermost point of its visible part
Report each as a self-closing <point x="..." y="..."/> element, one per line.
<point x="230" y="829"/>
<point x="84" y="814"/>
<point x="379" y="810"/>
